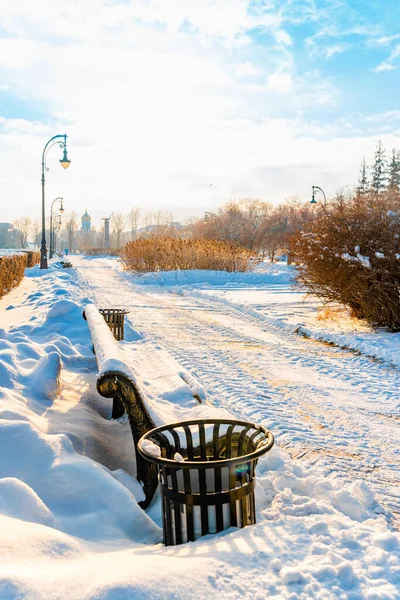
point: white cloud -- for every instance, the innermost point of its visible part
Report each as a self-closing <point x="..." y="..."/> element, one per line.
<point x="280" y="82"/>
<point x="247" y="69"/>
<point x="390" y="115"/>
<point x="385" y="40"/>
<point x="283" y="37"/>
<point x="388" y="65"/>
<point x="385" y="66"/>
<point x="160" y="99"/>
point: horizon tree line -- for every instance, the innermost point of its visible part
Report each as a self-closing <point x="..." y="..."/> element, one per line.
<point x="250" y="222"/>
<point x="383" y="174"/>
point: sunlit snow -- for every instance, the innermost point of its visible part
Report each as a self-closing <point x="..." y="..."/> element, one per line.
<point x="327" y="493"/>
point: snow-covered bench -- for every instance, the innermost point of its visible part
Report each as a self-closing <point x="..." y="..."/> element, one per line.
<point x="143" y="380"/>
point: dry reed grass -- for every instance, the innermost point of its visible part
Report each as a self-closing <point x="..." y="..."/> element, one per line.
<point x="171" y="254"/>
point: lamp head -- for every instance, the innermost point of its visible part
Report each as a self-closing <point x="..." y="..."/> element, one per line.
<point x="61" y="209"/>
<point x="65" y="162"/>
<point x="313" y="200"/>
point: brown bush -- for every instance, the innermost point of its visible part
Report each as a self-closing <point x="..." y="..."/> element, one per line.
<point x="33" y="257"/>
<point x="350" y="253"/>
<point x="12" y="269"/>
<point x="170" y="254"/>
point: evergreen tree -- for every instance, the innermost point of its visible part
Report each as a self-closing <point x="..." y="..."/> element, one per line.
<point x="394" y="171"/>
<point x="363" y="184"/>
<point x="379" y="169"/>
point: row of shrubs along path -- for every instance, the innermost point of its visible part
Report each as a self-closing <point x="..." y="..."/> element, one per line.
<point x="12" y="267"/>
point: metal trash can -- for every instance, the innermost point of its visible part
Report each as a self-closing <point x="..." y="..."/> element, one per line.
<point x="206" y="474"/>
<point x="115" y="319"/>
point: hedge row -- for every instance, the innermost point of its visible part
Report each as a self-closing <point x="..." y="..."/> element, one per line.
<point x="12" y="270"/>
<point x="33" y="257"/>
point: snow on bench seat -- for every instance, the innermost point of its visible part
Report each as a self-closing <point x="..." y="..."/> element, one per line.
<point x="167" y="389"/>
<point x="146" y="382"/>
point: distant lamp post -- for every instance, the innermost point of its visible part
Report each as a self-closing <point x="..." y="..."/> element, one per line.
<point x="207" y="216"/>
<point x="315" y="188"/>
<point x="61" y="140"/>
<point x="53" y="225"/>
<point x="56" y="229"/>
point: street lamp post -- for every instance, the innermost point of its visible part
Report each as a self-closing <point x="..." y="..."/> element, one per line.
<point x="52" y="227"/>
<point x="65" y="162"/>
<point x="318" y="189"/>
<point x="207" y="216"/>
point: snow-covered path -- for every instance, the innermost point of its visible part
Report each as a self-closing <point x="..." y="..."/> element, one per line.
<point x="336" y="409"/>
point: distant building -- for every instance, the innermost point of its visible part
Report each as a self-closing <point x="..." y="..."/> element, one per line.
<point x="7" y="235"/>
<point x="86" y="222"/>
<point x="160" y="229"/>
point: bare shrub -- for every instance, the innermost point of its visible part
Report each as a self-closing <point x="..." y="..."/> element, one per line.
<point x="350" y="253"/>
<point x="12" y="269"/>
<point x="170" y="254"/>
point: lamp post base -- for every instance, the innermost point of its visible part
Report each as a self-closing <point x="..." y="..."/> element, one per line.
<point x="43" y="258"/>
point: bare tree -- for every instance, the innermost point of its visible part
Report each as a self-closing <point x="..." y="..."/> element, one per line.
<point x="133" y="220"/>
<point x="23" y="225"/>
<point x="157" y="222"/>
<point x="240" y="222"/>
<point x="255" y="212"/>
<point x="36" y="228"/>
<point x="71" y="226"/>
<point x="118" y="222"/>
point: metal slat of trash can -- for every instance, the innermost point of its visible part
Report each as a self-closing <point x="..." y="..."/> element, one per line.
<point x="115" y="319"/>
<point x="211" y="487"/>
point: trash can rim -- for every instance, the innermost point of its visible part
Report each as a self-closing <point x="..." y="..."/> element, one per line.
<point x="190" y="464"/>
<point x="119" y="311"/>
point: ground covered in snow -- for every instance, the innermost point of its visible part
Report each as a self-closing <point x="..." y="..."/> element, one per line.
<point x="270" y="293"/>
<point x="327" y="493"/>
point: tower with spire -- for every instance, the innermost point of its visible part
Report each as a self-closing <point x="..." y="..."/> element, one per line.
<point x="86" y="222"/>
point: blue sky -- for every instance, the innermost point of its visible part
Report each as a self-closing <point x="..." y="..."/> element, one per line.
<point x="161" y="98"/>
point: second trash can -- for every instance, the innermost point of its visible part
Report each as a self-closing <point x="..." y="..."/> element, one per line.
<point x="206" y="474"/>
<point x="115" y="319"/>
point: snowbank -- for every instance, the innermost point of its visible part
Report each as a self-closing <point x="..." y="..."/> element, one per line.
<point x="70" y="526"/>
<point x="279" y="279"/>
<point x="5" y="252"/>
<point x="264" y="273"/>
<point x="272" y="308"/>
